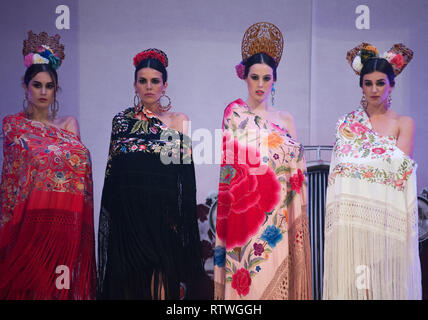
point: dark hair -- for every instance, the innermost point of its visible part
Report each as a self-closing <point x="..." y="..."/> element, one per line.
<point x="378" y="64"/>
<point x="34" y="69"/>
<point x="154" y="64"/>
<point x="260" y="58"/>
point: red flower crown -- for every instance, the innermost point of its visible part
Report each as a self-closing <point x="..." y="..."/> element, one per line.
<point x="151" y="53"/>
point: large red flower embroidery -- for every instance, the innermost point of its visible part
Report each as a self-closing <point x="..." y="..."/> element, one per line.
<point x="244" y="197"/>
<point x="296" y="181"/>
<point x="241" y="282"/>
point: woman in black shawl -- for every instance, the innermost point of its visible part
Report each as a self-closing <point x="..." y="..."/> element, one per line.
<point x="148" y="238"/>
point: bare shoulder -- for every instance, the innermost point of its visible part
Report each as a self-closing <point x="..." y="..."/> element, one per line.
<point x="68" y="123"/>
<point x="406" y="133"/>
<point x="406" y="122"/>
<point x="179" y="116"/>
<point x="286" y="116"/>
<point x="180" y="121"/>
<point x="287" y="121"/>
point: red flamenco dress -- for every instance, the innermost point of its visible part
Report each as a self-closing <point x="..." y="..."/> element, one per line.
<point x="47" y="245"/>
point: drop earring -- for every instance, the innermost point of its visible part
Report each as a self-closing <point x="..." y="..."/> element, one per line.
<point x="363" y="102"/>
<point x="273" y="94"/>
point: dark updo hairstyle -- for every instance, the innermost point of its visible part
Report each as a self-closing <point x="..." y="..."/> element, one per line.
<point x="34" y="69"/>
<point x="262" y="58"/>
<point x="378" y="64"/>
<point x="154" y="64"/>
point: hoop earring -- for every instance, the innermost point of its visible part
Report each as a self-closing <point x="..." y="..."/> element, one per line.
<point x="273" y="94"/>
<point x="363" y="102"/>
<point x="25" y="106"/>
<point x="137" y="104"/>
<point x="54" y="108"/>
<point x="164" y="107"/>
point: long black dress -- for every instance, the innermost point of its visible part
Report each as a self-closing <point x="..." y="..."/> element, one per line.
<point x="148" y="238"/>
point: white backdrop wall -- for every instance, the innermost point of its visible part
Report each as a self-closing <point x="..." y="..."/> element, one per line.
<point x="203" y="40"/>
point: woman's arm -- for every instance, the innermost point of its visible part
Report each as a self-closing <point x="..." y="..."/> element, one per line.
<point x="406" y="134"/>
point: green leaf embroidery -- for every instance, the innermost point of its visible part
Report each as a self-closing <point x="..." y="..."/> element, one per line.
<point x="256" y="261"/>
<point x="140" y="125"/>
<point x="267" y="216"/>
<point x="289" y="198"/>
<point x="245" y="248"/>
<point x="366" y="153"/>
<point x="282" y="169"/>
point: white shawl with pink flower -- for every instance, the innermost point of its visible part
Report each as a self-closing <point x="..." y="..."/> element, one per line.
<point x="371" y="226"/>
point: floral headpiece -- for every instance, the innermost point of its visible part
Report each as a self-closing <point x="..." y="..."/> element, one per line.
<point x="151" y="53"/>
<point x="43" y="49"/>
<point x="398" y="56"/>
<point x="261" y="37"/>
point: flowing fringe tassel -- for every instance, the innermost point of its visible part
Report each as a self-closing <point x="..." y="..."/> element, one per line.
<point x="29" y="270"/>
<point x="361" y="263"/>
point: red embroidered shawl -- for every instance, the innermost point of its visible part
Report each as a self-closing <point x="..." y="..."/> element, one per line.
<point x="46" y="219"/>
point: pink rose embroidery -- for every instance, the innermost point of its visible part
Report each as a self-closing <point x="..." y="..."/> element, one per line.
<point x="378" y="150"/>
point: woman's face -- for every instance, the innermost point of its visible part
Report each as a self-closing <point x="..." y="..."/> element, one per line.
<point x="41" y="90"/>
<point x="259" y="81"/>
<point x="149" y="86"/>
<point x="376" y="87"/>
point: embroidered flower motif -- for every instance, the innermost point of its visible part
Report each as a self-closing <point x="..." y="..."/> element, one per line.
<point x="296" y="180"/>
<point x="272" y="235"/>
<point x="274" y="140"/>
<point x="399" y="183"/>
<point x="369" y="174"/>
<point x="241" y="282"/>
<point x="258" y="249"/>
<point x="358" y="128"/>
<point x="219" y="256"/>
<point x="59" y="176"/>
<point x="299" y="237"/>
<point x="227" y="173"/>
<point x="285" y="214"/>
<point x="245" y="198"/>
<point x="276" y="156"/>
<point x="378" y="150"/>
<point x="53" y="148"/>
<point x="75" y="160"/>
<point x="346" y="148"/>
<point x="258" y="268"/>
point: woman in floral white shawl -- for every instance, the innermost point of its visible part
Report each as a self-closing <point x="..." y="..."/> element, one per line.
<point x="371" y="246"/>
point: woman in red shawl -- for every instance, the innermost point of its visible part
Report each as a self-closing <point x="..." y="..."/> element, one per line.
<point x="46" y="218"/>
